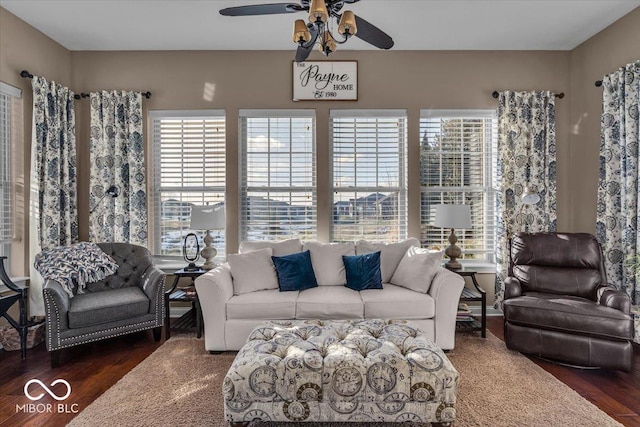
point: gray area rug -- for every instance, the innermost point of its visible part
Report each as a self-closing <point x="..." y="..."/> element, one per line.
<point x="181" y="384"/>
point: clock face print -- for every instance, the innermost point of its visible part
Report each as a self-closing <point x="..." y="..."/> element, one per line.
<point x="426" y="359"/>
<point x="237" y="405"/>
<point x="256" y="414"/>
<point x="312" y="359"/>
<point x="408" y="417"/>
<point x="346" y="381"/>
<point x="381" y="378"/>
<point x="228" y="389"/>
<point x="422" y="392"/>
<point x="445" y="412"/>
<point x="343" y="406"/>
<point x="263" y="381"/>
<point x="393" y="403"/>
<point x="296" y="411"/>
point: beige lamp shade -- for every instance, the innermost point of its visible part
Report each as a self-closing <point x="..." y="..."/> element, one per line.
<point x="318" y="11"/>
<point x="207" y="218"/>
<point x="348" y="23"/>
<point x="300" y="32"/>
<point x="452" y="216"/>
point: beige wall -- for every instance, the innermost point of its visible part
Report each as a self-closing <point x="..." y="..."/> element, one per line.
<point x="394" y="79"/>
<point x="412" y="80"/>
<point x="607" y="51"/>
<point x="22" y="47"/>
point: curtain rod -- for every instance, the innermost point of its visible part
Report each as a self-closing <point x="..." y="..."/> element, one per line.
<point x="28" y="75"/>
<point x="598" y="83"/>
<point x="560" y="95"/>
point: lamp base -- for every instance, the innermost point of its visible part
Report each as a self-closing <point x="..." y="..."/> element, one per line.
<point x="452" y="264"/>
<point x="453" y="252"/>
<point x="208" y="253"/>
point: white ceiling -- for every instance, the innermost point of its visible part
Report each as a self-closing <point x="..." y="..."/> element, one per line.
<point x="413" y="24"/>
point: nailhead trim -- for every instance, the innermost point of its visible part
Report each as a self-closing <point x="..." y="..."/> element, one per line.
<point x="108" y="336"/>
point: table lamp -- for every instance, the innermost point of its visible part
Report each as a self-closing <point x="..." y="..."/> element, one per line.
<point x="452" y="216"/>
<point x="208" y="218"/>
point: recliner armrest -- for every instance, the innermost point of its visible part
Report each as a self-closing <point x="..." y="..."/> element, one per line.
<point x="512" y="288"/>
<point x="611" y="297"/>
<point x="152" y="283"/>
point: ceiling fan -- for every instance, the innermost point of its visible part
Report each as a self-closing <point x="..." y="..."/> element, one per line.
<point x="306" y="34"/>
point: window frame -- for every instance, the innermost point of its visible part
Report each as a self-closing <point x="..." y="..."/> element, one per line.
<point x="489" y="189"/>
<point x="157" y="189"/>
<point x="245" y="188"/>
<point x="401" y="189"/>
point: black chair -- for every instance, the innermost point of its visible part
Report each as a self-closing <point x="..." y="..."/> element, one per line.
<point x="7" y="301"/>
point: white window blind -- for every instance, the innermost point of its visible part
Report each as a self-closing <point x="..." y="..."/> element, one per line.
<point x="10" y="165"/>
<point x="458" y="152"/>
<point x="189" y="168"/>
<point x="368" y="152"/>
<point x="278" y="175"/>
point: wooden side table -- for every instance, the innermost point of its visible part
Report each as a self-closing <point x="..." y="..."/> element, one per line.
<point x="476" y="295"/>
<point x="192" y="318"/>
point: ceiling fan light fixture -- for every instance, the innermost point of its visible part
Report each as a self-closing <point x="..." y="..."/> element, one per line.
<point x="347" y="26"/>
<point x="301" y="33"/>
<point x="318" y="12"/>
<point x="328" y="44"/>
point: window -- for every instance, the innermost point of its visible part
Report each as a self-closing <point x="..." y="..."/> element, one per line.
<point x="368" y="152"/>
<point x="10" y="166"/>
<point x="458" y="152"/>
<point x="189" y="168"/>
<point x="278" y="182"/>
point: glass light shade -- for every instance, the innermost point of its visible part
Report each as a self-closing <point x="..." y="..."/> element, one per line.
<point x="318" y="11"/>
<point x="452" y="216"/>
<point x="300" y="32"/>
<point x="347" y="24"/>
<point x="328" y="45"/>
<point x="530" y="197"/>
<point x="207" y="218"/>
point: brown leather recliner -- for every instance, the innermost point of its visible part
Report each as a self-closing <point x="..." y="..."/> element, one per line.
<point x="557" y="304"/>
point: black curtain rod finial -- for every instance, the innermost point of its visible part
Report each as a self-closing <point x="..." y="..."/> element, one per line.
<point x="598" y="83"/>
<point x="495" y="94"/>
<point x="25" y="74"/>
<point x="560" y="95"/>
<point x="146" y="94"/>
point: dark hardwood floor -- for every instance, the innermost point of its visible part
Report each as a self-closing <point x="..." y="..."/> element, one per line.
<point x="93" y="368"/>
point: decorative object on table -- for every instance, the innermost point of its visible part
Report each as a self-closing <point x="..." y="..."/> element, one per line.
<point x="19" y="295"/>
<point x="191" y="251"/>
<point x="208" y="218"/>
<point x="111" y="192"/>
<point x="130" y="300"/>
<point x="453" y="216"/>
<point x="318" y="29"/>
<point x="305" y="86"/>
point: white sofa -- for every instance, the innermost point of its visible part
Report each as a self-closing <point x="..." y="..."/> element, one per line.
<point x="229" y="318"/>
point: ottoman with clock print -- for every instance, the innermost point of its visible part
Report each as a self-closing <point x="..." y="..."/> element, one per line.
<point x="355" y="370"/>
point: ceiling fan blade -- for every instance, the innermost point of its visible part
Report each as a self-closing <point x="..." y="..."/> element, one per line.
<point x="303" y="53"/>
<point x="372" y="34"/>
<point x="261" y="9"/>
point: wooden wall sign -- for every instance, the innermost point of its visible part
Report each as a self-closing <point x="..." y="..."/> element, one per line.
<point x="325" y="81"/>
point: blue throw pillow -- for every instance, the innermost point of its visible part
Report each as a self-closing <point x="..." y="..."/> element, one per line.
<point x="363" y="271"/>
<point x="295" y="272"/>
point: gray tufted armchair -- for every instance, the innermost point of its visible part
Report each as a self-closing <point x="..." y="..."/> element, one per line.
<point x="128" y="301"/>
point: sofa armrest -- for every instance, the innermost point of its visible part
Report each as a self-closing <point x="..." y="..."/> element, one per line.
<point x="214" y="289"/>
<point x="152" y="283"/>
<point x="611" y="297"/>
<point x="512" y="288"/>
<point x="445" y="289"/>
<point x="56" y="306"/>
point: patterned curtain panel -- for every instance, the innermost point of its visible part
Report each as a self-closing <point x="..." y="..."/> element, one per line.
<point x="618" y="209"/>
<point x="54" y="166"/>
<point x="117" y="158"/>
<point x="526" y="157"/>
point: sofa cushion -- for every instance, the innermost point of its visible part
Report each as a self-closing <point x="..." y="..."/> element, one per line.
<point x="107" y="306"/>
<point x="390" y="254"/>
<point x="252" y="271"/>
<point x="393" y="301"/>
<point x="269" y="304"/>
<point x="295" y="272"/>
<point x="417" y="269"/>
<point x="567" y="314"/>
<point x="363" y="271"/>
<point x="329" y="302"/>
<point x="327" y="261"/>
<point x="281" y="248"/>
